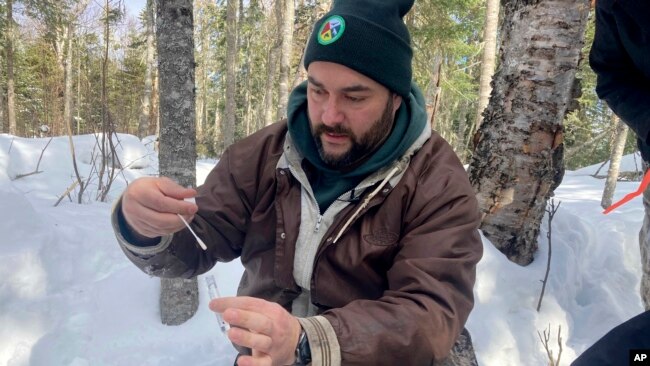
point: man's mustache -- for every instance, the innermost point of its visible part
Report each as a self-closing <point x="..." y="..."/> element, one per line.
<point x="338" y="130"/>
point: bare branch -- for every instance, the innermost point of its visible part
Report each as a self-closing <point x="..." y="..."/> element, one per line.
<point x="559" y="343"/>
<point x="551" y="213"/>
<point x="545" y="340"/>
<point x="19" y="176"/>
<point x="67" y="191"/>
<point x="36" y="171"/>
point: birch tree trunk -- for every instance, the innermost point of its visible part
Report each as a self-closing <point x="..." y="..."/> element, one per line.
<point x="145" y="108"/>
<point x="67" y="38"/>
<point x="67" y="109"/>
<point x="2" y="103"/>
<point x="286" y="14"/>
<point x="228" y="126"/>
<point x="620" y="137"/>
<point x="268" y="89"/>
<point x="9" y="50"/>
<point x="488" y="60"/>
<point x="218" y="128"/>
<point x="67" y="94"/>
<point x="518" y="159"/>
<point x="174" y="32"/>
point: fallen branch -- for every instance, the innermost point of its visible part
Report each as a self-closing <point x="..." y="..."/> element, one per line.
<point x="571" y="152"/>
<point x="19" y="176"/>
<point x="67" y="192"/>
<point x="36" y="171"/>
<point x="595" y="175"/>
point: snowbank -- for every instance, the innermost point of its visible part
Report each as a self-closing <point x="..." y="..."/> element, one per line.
<point x="68" y="296"/>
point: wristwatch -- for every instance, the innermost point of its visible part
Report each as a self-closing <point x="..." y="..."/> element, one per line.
<point x="303" y="352"/>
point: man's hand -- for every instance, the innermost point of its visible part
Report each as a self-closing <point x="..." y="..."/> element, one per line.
<point x="265" y="327"/>
<point x="150" y="206"/>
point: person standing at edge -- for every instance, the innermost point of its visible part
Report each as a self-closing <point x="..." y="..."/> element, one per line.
<point x="355" y="223"/>
<point x="620" y="57"/>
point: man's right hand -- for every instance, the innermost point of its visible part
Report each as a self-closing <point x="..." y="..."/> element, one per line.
<point x="150" y="206"/>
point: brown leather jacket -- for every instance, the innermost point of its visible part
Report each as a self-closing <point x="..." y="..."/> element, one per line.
<point x="393" y="275"/>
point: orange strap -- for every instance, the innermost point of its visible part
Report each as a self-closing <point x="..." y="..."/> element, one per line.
<point x="629" y="196"/>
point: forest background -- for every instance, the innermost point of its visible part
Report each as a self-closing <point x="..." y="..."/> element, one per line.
<point x="113" y="78"/>
<point x="82" y="67"/>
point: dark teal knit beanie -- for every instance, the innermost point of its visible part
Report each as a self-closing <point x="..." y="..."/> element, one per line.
<point x="368" y="36"/>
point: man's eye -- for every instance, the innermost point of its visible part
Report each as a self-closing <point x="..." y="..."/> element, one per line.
<point x="354" y="99"/>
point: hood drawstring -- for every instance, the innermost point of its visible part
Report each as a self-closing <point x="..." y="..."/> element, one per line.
<point x="365" y="202"/>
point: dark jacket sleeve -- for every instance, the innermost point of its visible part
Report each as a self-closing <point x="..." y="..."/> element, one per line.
<point x="615" y="346"/>
<point x="220" y="222"/>
<point x="620" y="82"/>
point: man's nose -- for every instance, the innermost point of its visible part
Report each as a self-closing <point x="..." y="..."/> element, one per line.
<point x="332" y="112"/>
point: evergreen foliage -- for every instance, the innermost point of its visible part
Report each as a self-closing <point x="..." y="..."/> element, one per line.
<point x="444" y="32"/>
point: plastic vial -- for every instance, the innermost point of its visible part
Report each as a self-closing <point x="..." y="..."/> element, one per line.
<point x="213" y="291"/>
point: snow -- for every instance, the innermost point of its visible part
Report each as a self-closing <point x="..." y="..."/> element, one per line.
<point x="68" y="295"/>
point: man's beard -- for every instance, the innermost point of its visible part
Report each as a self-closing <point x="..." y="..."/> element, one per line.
<point x="361" y="147"/>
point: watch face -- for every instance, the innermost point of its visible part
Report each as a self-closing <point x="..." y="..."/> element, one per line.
<point x="303" y="351"/>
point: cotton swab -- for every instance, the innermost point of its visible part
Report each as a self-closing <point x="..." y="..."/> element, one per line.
<point x="201" y="243"/>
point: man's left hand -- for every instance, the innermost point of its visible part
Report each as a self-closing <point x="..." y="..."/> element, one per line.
<point x="265" y="327"/>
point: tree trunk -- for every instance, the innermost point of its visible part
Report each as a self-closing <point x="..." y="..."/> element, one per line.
<point x="488" y="60"/>
<point x="67" y="94"/>
<point x="67" y="38"/>
<point x="247" y="93"/>
<point x="218" y="129"/>
<point x="145" y="109"/>
<point x="268" y="89"/>
<point x="155" y="102"/>
<point x="174" y="32"/>
<point x="618" y="145"/>
<point x="518" y="159"/>
<point x="462" y="353"/>
<point x="433" y="105"/>
<point x="459" y="136"/>
<point x="228" y="127"/>
<point x="2" y="103"/>
<point x="67" y="109"/>
<point x="301" y="72"/>
<point x="79" y="100"/>
<point x="9" y="50"/>
<point x="106" y="135"/>
<point x="202" y="96"/>
<point x="286" y="17"/>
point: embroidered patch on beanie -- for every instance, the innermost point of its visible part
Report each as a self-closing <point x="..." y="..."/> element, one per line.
<point x="331" y="30"/>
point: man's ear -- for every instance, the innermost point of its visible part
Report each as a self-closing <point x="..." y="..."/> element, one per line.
<point x="397" y="101"/>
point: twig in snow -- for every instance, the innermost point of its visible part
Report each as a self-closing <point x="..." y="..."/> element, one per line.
<point x="551" y="212"/>
<point x="549" y="353"/>
<point x="67" y="191"/>
<point x="36" y="171"/>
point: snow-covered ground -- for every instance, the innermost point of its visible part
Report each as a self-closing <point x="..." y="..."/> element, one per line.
<point x="68" y="296"/>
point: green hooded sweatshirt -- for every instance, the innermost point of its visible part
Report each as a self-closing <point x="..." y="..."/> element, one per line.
<point x="329" y="184"/>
